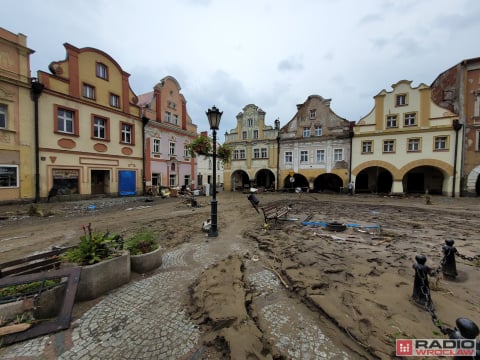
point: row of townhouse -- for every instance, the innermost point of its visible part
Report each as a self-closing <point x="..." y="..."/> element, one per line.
<point x="414" y="140"/>
<point x="79" y="129"/>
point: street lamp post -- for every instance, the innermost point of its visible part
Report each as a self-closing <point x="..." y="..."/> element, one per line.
<point x="214" y="116"/>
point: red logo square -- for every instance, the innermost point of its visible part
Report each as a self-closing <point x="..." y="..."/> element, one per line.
<point x="404" y="347"/>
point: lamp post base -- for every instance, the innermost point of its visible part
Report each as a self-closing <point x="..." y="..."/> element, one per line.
<point x="213" y="232"/>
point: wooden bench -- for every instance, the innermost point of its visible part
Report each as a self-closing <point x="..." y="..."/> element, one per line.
<point x="273" y="212"/>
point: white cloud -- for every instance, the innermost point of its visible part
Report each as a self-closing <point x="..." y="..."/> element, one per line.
<point x="273" y="53"/>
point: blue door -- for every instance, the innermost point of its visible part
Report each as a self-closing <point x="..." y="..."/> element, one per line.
<point x="127" y="182"/>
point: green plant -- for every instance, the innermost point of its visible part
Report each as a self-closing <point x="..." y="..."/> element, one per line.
<point x="27" y="288"/>
<point x="201" y="145"/>
<point x="224" y="153"/>
<point x="141" y="243"/>
<point x="94" y="247"/>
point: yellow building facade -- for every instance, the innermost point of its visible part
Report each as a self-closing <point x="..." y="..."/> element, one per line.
<point x="90" y="128"/>
<point x="16" y="119"/>
<point x="407" y="144"/>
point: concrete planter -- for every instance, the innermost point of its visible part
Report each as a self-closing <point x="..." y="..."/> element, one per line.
<point x="100" y="278"/>
<point x="144" y="263"/>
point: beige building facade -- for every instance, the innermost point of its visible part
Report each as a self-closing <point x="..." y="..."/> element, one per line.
<point x="90" y="127"/>
<point x="17" y="140"/>
<point x="315" y="148"/>
<point x="407" y="144"/>
<point x="254" y="152"/>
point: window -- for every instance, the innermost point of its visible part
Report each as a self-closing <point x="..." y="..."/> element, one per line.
<point x="239" y="154"/>
<point x="250" y="122"/>
<point x="156" y="146"/>
<point x="172" y="181"/>
<point x="168" y="116"/>
<point x="3" y="116"/>
<point x="256" y="153"/>
<point x="114" y="100"/>
<point x="389" y="146"/>
<point x="288" y="157"/>
<point x="186" y="180"/>
<point x="186" y="152"/>
<point x="392" y="121"/>
<point x="337" y="154"/>
<point x="99" y="128"/>
<point x="367" y="147"/>
<point x="126" y="135"/>
<point x="306" y="132"/>
<point x="102" y="71"/>
<point x="441" y="142"/>
<point x="244" y="135"/>
<point x="65" y="121"/>
<point x="304" y="156"/>
<point x="88" y="91"/>
<point x="401" y="100"/>
<point x="414" y="145"/>
<point x="313" y="114"/>
<point x="8" y="176"/>
<point x="209" y="164"/>
<point x="320" y="156"/>
<point x="175" y="119"/>
<point x="410" y="119"/>
<point x="318" y="130"/>
<point x="171" y="148"/>
<point x="263" y="153"/>
<point x="255" y="134"/>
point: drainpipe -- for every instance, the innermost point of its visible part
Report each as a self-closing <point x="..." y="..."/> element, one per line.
<point x="37" y="89"/>
<point x="456" y="126"/>
<point x="350" y="135"/>
<point x="277" y="127"/>
<point x="144" y="183"/>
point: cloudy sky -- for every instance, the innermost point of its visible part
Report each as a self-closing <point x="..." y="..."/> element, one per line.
<point x="272" y="53"/>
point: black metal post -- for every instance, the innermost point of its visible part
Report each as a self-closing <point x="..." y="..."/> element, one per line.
<point x="213" y="228"/>
<point x="456" y="126"/>
<point x="37" y="89"/>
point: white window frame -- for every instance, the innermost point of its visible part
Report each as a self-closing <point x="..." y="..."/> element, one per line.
<point x="249" y="122"/>
<point x="367" y="147"/>
<point x="186" y="151"/>
<point x="2" y="166"/>
<point x="172" y="180"/>
<point x="320" y="156"/>
<point x="392" y="121"/>
<point x="413" y="145"/>
<point x="255" y="134"/>
<point x="401" y="100"/>
<point x="175" y="119"/>
<point x="441" y="142"/>
<point x="256" y="153"/>
<point x="388" y="146"/>
<point x="288" y="157"/>
<point x="168" y="116"/>
<point x="303" y="156"/>
<point x="264" y="153"/>
<point x="306" y="132"/>
<point x="114" y="100"/>
<point x="156" y="145"/>
<point x="99" y="126"/>
<point x="318" y="130"/>
<point x="244" y="135"/>
<point x="64" y="122"/>
<point x="313" y="114"/>
<point x="338" y="154"/>
<point x="127" y="130"/>
<point x="171" y="148"/>
<point x="410" y="119"/>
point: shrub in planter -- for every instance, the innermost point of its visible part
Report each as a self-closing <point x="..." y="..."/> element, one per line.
<point x="105" y="266"/>
<point x="145" y="254"/>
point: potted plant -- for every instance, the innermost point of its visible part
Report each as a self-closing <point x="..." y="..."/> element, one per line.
<point x="105" y="265"/>
<point x="145" y="254"/>
<point x="202" y="145"/>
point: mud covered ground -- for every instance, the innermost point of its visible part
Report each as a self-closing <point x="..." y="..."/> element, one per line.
<point x="359" y="281"/>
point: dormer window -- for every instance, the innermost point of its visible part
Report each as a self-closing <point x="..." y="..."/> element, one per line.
<point x="88" y="91"/>
<point x="313" y="114"/>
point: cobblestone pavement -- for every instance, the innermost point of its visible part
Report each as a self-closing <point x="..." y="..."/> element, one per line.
<point x="147" y="319"/>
